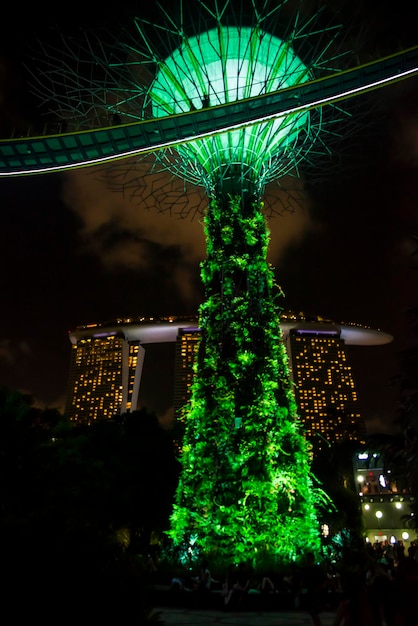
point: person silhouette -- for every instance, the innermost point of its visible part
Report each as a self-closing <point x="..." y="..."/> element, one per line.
<point x="238" y="591"/>
<point x="202" y="583"/>
<point x="313" y="588"/>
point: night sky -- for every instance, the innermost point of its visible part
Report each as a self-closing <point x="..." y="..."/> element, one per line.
<point x="74" y="252"/>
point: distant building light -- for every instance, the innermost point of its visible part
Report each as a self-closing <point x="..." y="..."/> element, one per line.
<point x="382" y="480"/>
<point x="303" y="331"/>
<point x="325" y="530"/>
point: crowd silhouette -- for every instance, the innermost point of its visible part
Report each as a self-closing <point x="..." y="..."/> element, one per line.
<point x="375" y="586"/>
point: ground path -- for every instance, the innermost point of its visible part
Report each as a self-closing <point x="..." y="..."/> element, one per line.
<point x="176" y="616"/>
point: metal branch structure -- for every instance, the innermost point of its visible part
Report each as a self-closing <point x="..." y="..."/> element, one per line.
<point x="198" y="59"/>
<point x="246" y="489"/>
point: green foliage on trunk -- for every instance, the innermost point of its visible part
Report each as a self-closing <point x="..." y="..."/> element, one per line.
<point x="246" y="490"/>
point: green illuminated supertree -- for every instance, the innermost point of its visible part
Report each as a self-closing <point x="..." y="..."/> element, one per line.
<point x="246" y="490"/>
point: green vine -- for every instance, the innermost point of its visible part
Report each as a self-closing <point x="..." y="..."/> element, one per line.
<point x="246" y="488"/>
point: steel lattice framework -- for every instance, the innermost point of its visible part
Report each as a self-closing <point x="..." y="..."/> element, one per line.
<point x="155" y="70"/>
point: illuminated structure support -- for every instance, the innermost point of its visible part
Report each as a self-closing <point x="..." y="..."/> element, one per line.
<point x="246" y="489"/>
<point x="242" y="434"/>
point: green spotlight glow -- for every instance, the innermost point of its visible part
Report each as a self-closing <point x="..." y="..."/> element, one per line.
<point x="225" y="65"/>
<point x="246" y="490"/>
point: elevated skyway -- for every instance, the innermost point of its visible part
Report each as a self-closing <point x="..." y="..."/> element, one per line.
<point x="51" y="153"/>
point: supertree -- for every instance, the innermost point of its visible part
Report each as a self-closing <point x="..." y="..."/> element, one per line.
<point x="246" y="489"/>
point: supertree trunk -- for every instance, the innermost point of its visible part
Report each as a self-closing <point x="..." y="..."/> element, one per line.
<point x="245" y="490"/>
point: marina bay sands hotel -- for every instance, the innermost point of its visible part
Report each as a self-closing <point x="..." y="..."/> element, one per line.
<point x="107" y="362"/>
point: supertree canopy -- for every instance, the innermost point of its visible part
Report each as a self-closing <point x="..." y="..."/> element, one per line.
<point x="227" y="64"/>
<point x="246" y="489"/>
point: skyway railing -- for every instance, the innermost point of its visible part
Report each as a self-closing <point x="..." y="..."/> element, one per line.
<point x="49" y="153"/>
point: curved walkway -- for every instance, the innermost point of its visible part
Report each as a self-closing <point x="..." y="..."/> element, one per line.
<point x="52" y="153"/>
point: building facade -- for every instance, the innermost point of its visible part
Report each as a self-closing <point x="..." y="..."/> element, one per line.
<point x="325" y="389"/>
<point x="385" y="505"/>
<point x="107" y="361"/>
<point x="186" y="350"/>
<point x="105" y="373"/>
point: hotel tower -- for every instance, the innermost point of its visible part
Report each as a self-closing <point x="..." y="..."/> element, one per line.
<point x="107" y="362"/>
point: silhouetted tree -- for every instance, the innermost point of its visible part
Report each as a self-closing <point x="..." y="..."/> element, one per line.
<point x="65" y="491"/>
<point x="338" y="484"/>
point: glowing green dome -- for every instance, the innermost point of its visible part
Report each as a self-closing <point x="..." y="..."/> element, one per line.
<point x="223" y="65"/>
